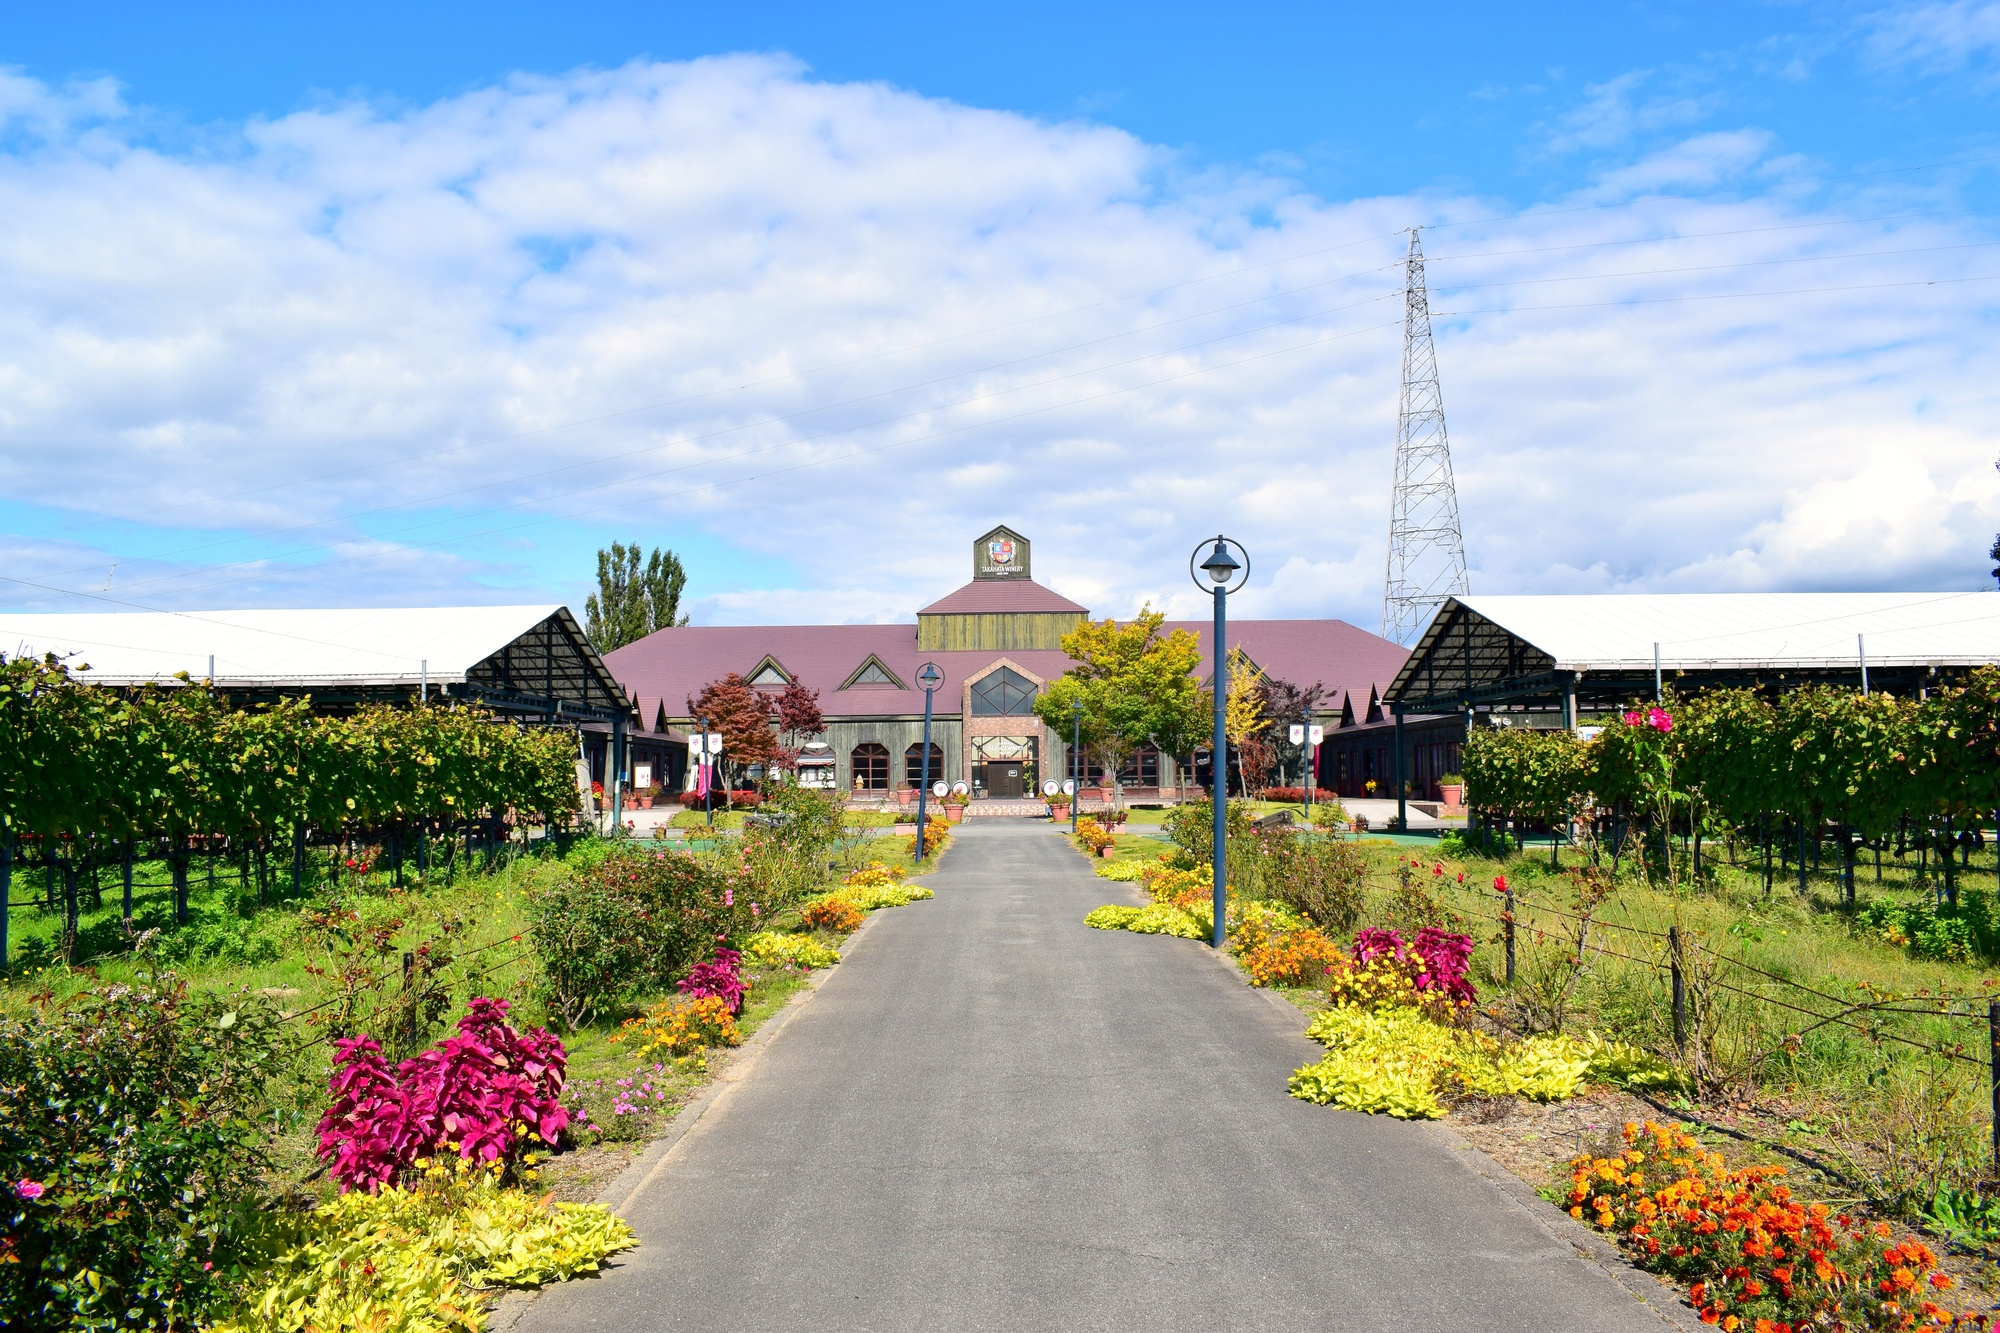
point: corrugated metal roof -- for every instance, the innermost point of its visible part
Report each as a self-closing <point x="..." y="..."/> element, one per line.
<point x="673" y="664"/>
<point x="1617" y="631"/>
<point x="1000" y="596"/>
<point x="379" y="646"/>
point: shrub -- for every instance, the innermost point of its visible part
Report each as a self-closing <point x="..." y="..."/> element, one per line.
<point x="130" y="1149"/>
<point x="634" y="922"/>
<point x="1125" y="872"/>
<point x="795" y="950"/>
<point x="413" y="1261"/>
<point x="684" y="1026"/>
<point x="1191" y="827"/>
<point x="833" y="912"/>
<point x="1754" y="1256"/>
<point x="480" y="1093"/>
<point x="719" y="977"/>
<point x="1323" y="878"/>
<point x="787" y="854"/>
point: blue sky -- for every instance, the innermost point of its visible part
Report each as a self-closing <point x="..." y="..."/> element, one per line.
<point x="415" y="303"/>
<point x="1351" y="99"/>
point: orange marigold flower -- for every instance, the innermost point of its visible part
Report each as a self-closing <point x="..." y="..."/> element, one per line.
<point x="1942" y="1281"/>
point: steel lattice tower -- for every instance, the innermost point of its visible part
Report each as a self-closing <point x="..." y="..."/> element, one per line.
<point x="1426" y="552"/>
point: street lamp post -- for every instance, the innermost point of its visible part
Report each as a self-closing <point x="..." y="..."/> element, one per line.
<point x="930" y="677"/>
<point x="707" y="776"/>
<point x="1222" y="569"/>
<point x="1075" y="761"/>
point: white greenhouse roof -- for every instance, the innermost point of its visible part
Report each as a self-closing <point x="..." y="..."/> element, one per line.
<point x="1617" y="631"/>
<point x="363" y="646"/>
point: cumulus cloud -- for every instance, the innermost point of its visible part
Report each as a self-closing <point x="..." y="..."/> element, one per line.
<point x="415" y="354"/>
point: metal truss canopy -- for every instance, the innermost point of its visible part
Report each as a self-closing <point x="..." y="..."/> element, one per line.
<point x="1599" y="651"/>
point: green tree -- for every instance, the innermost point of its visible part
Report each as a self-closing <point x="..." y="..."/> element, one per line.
<point x="1135" y="684"/>
<point x="631" y="602"/>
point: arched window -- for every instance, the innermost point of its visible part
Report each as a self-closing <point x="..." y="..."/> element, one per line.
<point x="1004" y="693"/>
<point x="913" y="764"/>
<point x="870" y="765"/>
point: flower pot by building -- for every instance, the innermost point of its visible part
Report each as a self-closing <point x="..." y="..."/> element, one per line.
<point x="906" y="795"/>
<point x="1453" y="796"/>
<point x="954" y="813"/>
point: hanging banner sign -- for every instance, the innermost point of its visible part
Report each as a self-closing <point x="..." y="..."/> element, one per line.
<point x="1316" y="733"/>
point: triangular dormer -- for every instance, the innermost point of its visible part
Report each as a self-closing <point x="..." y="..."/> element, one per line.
<point x="873" y="674"/>
<point x="1347" y="709"/>
<point x="660" y="717"/>
<point x="1374" y="706"/>
<point x="768" y="675"/>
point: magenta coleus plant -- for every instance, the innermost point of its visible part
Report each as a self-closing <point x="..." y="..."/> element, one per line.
<point x="482" y="1093"/>
<point x="721" y="976"/>
<point x="1447" y="957"/>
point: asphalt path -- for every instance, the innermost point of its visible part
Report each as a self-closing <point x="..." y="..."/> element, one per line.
<point x="992" y="1117"/>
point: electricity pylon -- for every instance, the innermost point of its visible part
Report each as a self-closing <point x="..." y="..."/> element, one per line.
<point x="1426" y="552"/>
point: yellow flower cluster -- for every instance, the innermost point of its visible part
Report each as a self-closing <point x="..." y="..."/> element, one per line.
<point x="770" y="946"/>
<point x="870" y="897"/>
<point x="875" y="875"/>
<point x="1382" y="984"/>
<point x="1159" y="919"/>
<point x="1180" y="888"/>
<point x="684" y="1026"/>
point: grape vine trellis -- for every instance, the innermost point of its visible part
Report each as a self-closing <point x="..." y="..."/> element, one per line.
<point x="1872" y="766"/>
<point x="84" y="765"/>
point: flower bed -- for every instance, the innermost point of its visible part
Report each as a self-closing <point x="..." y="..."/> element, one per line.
<point x="1755" y="1257"/>
<point x="418" y="1260"/>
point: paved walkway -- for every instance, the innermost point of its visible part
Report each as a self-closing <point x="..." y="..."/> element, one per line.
<point x="991" y="1118"/>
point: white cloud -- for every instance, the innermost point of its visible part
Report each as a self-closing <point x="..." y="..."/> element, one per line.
<point x="408" y="354"/>
<point x="1944" y="36"/>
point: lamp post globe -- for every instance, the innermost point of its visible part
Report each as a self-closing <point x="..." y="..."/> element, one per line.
<point x="1223" y="570"/>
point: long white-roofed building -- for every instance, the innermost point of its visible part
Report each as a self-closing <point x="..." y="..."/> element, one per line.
<point x="1558" y="660"/>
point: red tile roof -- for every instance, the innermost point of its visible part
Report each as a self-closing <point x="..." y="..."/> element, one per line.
<point x="674" y="664"/>
<point x="993" y="596"/>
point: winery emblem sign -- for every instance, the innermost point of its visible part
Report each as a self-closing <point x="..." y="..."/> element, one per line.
<point x="1000" y="551"/>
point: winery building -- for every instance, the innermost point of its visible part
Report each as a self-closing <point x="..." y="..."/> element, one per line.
<point x="997" y="640"/>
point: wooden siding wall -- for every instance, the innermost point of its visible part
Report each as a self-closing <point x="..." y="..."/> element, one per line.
<point x="995" y="633"/>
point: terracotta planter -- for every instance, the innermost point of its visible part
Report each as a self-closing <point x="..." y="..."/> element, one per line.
<point x="1105" y="852"/>
<point x="645" y="800"/>
<point x="954" y="813"/>
<point x="906" y="795"/>
<point x="1452" y="796"/>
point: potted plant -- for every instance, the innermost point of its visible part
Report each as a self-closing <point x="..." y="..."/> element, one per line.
<point x="648" y="794"/>
<point x="597" y="796"/>
<point x="1451" y="790"/>
<point x="954" y="806"/>
<point x="905" y="795"/>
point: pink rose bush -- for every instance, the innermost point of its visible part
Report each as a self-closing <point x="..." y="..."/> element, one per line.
<point x="482" y="1093"/>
